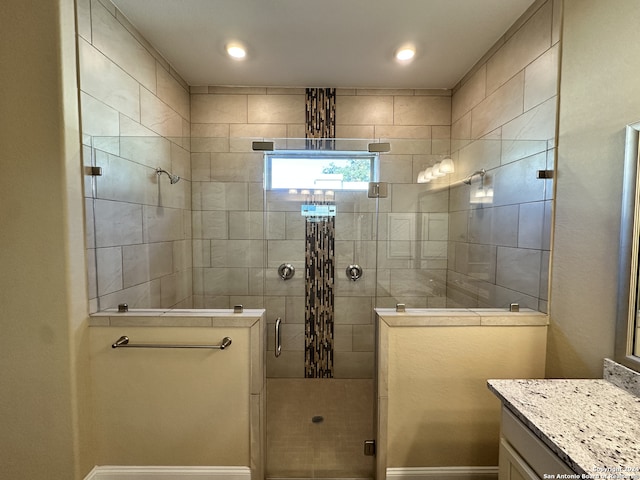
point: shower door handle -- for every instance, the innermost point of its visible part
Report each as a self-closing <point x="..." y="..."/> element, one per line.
<point x="278" y="345"/>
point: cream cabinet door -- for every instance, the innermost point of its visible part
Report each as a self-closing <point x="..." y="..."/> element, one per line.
<point x="512" y="466"/>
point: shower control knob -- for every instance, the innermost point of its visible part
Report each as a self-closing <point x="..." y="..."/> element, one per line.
<point x="286" y="271"/>
<point x="354" y="272"/>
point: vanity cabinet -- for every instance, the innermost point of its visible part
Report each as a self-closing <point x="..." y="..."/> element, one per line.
<point x="524" y="457"/>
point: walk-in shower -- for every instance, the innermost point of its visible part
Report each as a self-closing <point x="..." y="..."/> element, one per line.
<point x="319" y="254"/>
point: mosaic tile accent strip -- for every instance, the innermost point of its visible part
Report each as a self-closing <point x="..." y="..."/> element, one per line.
<point x="319" y="307"/>
<point x="320" y="120"/>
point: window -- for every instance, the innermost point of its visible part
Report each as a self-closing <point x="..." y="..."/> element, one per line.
<point x="326" y="170"/>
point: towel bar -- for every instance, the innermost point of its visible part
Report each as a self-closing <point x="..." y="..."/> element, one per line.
<point x="123" y="341"/>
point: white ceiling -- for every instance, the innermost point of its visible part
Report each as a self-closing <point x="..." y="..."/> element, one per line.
<point x="323" y="43"/>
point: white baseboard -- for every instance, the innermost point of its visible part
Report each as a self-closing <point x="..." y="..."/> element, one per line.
<point x="169" y="473"/>
<point x="444" y="473"/>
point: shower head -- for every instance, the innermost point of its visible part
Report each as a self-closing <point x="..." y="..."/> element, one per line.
<point x="173" y="179"/>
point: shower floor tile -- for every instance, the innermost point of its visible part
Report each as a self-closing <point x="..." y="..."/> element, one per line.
<point x="297" y="447"/>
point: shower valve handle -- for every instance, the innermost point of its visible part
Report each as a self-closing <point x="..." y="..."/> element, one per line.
<point x="286" y="271"/>
<point x="354" y="272"/>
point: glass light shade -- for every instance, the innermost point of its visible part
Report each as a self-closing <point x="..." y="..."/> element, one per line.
<point x="428" y="174"/>
<point x="446" y="166"/>
<point x="436" y="172"/>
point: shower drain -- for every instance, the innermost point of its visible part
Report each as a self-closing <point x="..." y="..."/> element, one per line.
<point x="317" y="419"/>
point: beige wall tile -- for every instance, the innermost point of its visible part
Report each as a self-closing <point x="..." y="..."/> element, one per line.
<point x="214" y="224"/>
<point x="222" y="196"/>
<point x="541" y="79"/>
<point x="276" y="109"/>
<point x="98" y="119"/>
<point x="285" y="91"/>
<point x="213" y="89"/>
<point x="343" y="338"/>
<point x="201" y="253"/>
<point x="535" y="124"/>
<point x="226" y="281"/>
<point x="396" y="169"/>
<point x="259" y="130"/>
<point x="394" y="131"/>
<point x="146" y="295"/>
<point x="182" y="255"/>
<point x="364" y="110"/>
<point x="424" y="110"/>
<point x="158" y="116"/>
<point x="83" y="18"/>
<point x="501" y="106"/>
<point x="460" y="131"/>
<point x="504" y="226"/>
<point x="171" y="92"/>
<point x="406" y="146"/>
<point x="150" y="151"/>
<point x="517" y="182"/>
<point x="209" y="130"/>
<point x="132" y="128"/>
<point x="363" y="338"/>
<point x="145" y="262"/>
<point x="248" y="225"/>
<point x="236" y="167"/>
<point x="209" y="144"/>
<point x="470" y="94"/>
<point x="218" y="108"/>
<point x="296" y="130"/>
<point x="115" y="42"/>
<point x="237" y="253"/>
<point x="355" y="131"/>
<point x="117" y="223"/>
<point x="353" y="365"/>
<point x="527" y="44"/>
<point x="530" y="225"/>
<point x="353" y="310"/>
<point x="162" y="224"/>
<point x="180" y="162"/>
<point x="519" y="269"/>
<point x="109" y="269"/>
<point x="125" y="181"/>
<point x="104" y="80"/>
<point x="286" y="251"/>
<point x="556" y="28"/>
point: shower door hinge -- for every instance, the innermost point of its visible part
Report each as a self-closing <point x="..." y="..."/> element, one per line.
<point x="94" y="171"/>
<point x="378" y="190"/>
<point x="544" y="174"/>
<point x="369" y="448"/>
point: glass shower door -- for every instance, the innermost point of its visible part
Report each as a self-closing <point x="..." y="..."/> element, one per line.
<point x="320" y="280"/>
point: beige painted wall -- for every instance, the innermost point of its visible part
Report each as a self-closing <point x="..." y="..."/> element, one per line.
<point x="440" y="410"/>
<point x="599" y="95"/>
<point x="43" y="400"/>
<point x="171" y="407"/>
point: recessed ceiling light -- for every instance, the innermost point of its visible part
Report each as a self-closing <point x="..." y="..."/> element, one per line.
<point x="405" y="54"/>
<point x="237" y="51"/>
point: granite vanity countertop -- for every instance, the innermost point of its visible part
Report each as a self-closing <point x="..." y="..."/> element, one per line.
<point x="592" y="425"/>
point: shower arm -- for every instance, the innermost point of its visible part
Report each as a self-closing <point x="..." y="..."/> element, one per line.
<point x="173" y="179"/>
<point x="482" y="172"/>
